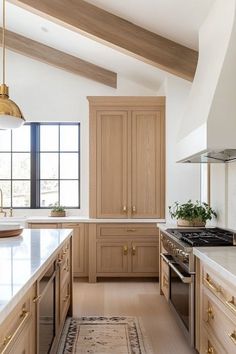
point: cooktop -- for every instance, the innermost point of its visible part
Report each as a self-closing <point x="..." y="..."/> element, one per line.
<point x="204" y="236"/>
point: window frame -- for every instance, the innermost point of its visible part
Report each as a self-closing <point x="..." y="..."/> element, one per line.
<point x="35" y="178"/>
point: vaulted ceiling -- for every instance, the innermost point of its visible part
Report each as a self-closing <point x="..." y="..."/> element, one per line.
<point x="175" y="20"/>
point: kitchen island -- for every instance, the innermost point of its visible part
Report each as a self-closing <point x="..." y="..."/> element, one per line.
<point x="217" y="295"/>
<point x="35" y="288"/>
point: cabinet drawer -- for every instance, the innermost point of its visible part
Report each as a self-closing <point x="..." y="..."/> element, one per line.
<point x="209" y="344"/>
<point x="220" y="289"/>
<point x="64" y="301"/>
<point x="12" y="327"/>
<point x="109" y="230"/>
<point x="218" y="323"/>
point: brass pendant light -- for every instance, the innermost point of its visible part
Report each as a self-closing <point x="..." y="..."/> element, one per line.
<point x="10" y="114"/>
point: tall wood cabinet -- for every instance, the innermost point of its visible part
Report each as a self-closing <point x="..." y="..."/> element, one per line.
<point x="127" y="161"/>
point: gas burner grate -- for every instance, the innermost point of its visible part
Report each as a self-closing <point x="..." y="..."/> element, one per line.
<point x="204" y="237"/>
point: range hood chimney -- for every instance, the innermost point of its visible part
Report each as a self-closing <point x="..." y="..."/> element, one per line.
<point x="208" y="130"/>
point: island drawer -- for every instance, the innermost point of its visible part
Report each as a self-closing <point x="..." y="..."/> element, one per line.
<point x="12" y="327"/>
<point x="220" y="288"/>
<point x="216" y="320"/>
<point x="209" y="344"/>
<point x="126" y="229"/>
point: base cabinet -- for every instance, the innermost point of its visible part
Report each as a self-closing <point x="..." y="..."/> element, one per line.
<point x="18" y="331"/>
<point x="123" y="250"/>
<point x="217" y="313"/>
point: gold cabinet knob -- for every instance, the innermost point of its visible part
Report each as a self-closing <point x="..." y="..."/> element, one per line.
<point x="125" y="250"/>
<point x="133" y="209"/>
<point x="133" y="250"/>
<point x="210" y="314"/>
<point x="125" y="209"/>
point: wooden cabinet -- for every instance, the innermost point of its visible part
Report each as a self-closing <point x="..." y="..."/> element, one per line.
<point x="127" y="157"/>
<point x="124" y="250"/>
<point x="217" y="313"/>
<point x="79" y="244"/>
<point x="112" y="257"/>
<point x="79" y="248"/>
<point x="18" y="331"/>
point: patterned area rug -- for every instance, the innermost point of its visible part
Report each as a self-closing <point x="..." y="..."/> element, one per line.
<point x="103" y="335"/>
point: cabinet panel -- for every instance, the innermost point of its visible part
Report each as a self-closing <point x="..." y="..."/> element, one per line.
<point x="79" y="248"/>
<point x="43" y="226"/>
<point x="165" y="279"/>
<point x="127" y="229"/>
<point x="112" y="257"/>
<point x="147" y="164"/>
<point x="112" y="134"/>
<point x="145" y="257"/>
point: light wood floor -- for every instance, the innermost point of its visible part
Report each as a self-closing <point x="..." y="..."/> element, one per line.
<point x="133" y="298"/>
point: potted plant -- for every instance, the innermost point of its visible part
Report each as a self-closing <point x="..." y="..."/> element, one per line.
<point x="191" y="214"/>
<point x="58" y="210"/>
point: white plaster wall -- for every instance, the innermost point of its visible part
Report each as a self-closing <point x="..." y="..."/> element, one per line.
<point x="182" y="180"/>
<point x="45" y="93"/>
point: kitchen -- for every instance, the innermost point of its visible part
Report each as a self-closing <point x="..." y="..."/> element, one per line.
<point x="75" y="101"/>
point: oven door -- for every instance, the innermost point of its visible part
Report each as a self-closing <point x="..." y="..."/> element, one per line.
<point x="181" y="295"/>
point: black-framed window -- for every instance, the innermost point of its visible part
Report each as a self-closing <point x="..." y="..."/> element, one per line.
<point x="40" y="165"/>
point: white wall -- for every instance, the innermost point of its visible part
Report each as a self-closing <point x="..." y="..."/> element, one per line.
<point x="182" y="180"/>
<point x="223" y="193"/>
<point x="45" y="93"/>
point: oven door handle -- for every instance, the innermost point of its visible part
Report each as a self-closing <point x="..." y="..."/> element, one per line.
<point x="186" y="280"/>
<point x="165" y="258"/>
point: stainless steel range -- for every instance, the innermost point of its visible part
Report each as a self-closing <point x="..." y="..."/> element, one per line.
<point x="177" y="255"/>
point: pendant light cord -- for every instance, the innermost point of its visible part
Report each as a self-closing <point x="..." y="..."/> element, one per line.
<point x="3" y="40"/>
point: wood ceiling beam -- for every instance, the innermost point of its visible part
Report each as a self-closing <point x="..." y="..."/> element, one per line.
<point x="49" y="55"/>
<point x="114" y="31"/>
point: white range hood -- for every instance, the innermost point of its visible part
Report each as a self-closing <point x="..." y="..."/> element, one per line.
<point x="208" y="129"/>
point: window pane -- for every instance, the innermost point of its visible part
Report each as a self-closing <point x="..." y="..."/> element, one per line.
<point x="69" y="166"/>
<point x="49" y="137"/>
<point x="48" y="166"/>
<point x="69" y="193"/>
<point x="69" y="138"/>
<point x="5" y="140"/>
<point x="21" y="166"/>
<point x="21" y="139"/>
<point x="48" y="193"/>
<point x="21" y="193"/>
<point x="5" y="165"/>
<point x="6" y="191"/>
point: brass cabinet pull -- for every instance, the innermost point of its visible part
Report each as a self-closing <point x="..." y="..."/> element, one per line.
<point x="232" y="336"/>
<point x="36" y="299"/>
<point x="133" y="209"/>
<point x="125" y="209"/>
<point x="231" y="304"/>
<point x="133" y="250"/>
<point x="10" y="338"/>
<point x="125" y="250"/>
<point x="210" y="314"/>
<point x="211" y="285"/>
<point x="210" y="350"/>
<point x="131" y="230"/>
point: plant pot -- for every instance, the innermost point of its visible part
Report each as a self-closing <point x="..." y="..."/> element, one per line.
<point x="191" y="223"/>
<point x="58" y="214"/>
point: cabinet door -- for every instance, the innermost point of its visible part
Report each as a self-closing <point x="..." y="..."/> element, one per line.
<point x="112" y="162"/>
<point x="147" y="164"/>
<point x="145" y="257"/>
<point x="79" y="248"/>
<point x="24" y="343"/>
<point x="112" y="257"/>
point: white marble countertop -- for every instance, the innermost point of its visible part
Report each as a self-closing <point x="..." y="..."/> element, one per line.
<point x="221" y="259"/>
<point x="22" y="260"/>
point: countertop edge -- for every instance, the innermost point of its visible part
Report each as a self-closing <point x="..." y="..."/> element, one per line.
<point x="223" y="271"/>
